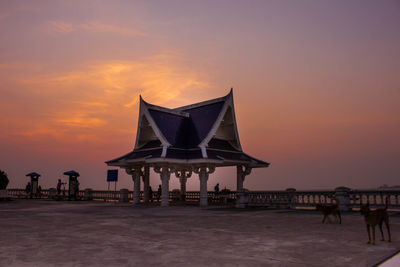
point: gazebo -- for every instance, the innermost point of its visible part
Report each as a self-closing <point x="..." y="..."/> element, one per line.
<point x="191" y="139"/>
<point x="34" y="183"/>
<point x="73" y="183"/>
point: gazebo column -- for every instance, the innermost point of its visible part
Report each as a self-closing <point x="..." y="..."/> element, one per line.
<point x="146" y="183"/>
<point x="136" y="172"/>
<point x="165" y="173"/>
<point x="203" y="173"/>
<point x="242" y="171"/>
<point x="183" y="175"/>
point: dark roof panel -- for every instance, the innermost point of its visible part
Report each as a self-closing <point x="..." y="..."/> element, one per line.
<point x="152" y="144"/>
<point x="168" y="123"/>
<point x="139" y="154"/>
<point x="236" y="156"/>
<point x="220" y="144"/>
<point x="178" y="130"/>
<point x="187" y="135"/>
<point x="72" y="173"/>
<point x="183" y="153"/>
<point x="33" y="174"/>
<point x="204" y="117"/>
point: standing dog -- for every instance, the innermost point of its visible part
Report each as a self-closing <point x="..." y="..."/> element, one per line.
<point x="330" y="210"/>
<point x="374" y="217"/>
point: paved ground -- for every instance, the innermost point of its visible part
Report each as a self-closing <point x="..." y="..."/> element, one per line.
<point x="50" y="233"/>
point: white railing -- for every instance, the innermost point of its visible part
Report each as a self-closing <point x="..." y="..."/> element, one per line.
<point x="290" y="198"/>
<point x="348" y="199"/>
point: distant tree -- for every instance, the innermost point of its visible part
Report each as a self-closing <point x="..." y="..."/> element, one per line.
<point x="3" y="180"/>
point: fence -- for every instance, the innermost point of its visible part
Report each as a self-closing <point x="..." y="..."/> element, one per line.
<point x="348" y="199"/>
<point x="290" y="198"/>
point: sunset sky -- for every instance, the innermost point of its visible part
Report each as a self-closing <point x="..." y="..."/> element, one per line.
<point x="316" y="85"/>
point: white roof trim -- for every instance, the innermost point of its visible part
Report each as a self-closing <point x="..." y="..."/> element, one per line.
<point x="228" y="103"/>
<point x="168" y="110"/>
<point x="144" y="111"/>
<point x="204" y="103"/>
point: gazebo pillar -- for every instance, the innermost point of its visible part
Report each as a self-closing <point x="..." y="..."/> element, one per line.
<point x="203" y="173"/>
<point x="165" y="173"/>
<point x="183" y="175"/>
<point x="241" y="171"/>
<point x="146" y="182"/>
<point x="136" y="173"/>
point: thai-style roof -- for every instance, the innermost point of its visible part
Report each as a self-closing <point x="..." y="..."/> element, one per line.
<point x="72" y="173"/>
<point x="33" y="174"/>
<point x="204" y="132"/>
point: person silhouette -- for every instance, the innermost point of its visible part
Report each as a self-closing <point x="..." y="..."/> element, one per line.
<point x="150" y="194"/>
<point x="28" y="189"/>
<point x="216" y="189"/>
<point x="159" y="193"/>
<point x="59" y="184"/>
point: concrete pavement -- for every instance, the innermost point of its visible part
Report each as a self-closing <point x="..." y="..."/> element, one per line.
<point x="55" y="233"/>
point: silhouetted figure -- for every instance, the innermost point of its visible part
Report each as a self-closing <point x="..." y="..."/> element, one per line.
<point x="76" y="189"/>
<point x="59" y="184"/>
<point x="216" y="189"/>
<point x="39" y="192"/>
<point x="28" y="189"/>
<point x="150" y="194"/>
<point x="159" y="193"/>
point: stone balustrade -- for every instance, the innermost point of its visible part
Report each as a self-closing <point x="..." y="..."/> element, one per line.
<point x="287" y="199"/>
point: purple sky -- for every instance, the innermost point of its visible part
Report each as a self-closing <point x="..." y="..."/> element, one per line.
<point x="316" y="85"/>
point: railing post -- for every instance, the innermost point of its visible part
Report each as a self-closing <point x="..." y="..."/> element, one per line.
<point x="52" y="193"/>
<point x="123" y="195"/>
<point x="88" y="194"/>
<point x="342" y="195"/>
<point x="291" y="198"/>
<point x="241" y="171"/>
<point x="242" y="198"/>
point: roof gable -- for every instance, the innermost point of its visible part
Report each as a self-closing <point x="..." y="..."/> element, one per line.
<point x="188" y="126"/>
<point x="204" y="132"/>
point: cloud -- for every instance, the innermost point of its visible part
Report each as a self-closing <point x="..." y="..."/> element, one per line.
<point x="93" y="27"/>
<point x="93" y="102"/>
<point x="61" y="27"/>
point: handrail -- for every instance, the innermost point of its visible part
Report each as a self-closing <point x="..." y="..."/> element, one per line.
<point x="349" y="199"/>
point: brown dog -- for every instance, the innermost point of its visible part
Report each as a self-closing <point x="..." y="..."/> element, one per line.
<point x="374" y="217"/>
<point x="332" y="209"/>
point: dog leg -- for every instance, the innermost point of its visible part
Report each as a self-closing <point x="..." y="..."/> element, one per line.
<point x="380" y="228"/>
<point x="369" y="234"/>
<point x="323" y="220"/>
<point x="386" y="220"/>
<point x="340" y="217"/>
<point x="373" y="234"/>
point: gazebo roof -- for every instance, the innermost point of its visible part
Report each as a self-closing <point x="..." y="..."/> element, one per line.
<point x="204" y="132"/>
<point x="33" y="174"/>
<point x="71" y="173"/>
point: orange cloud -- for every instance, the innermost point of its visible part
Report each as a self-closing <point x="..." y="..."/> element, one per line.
<point x="97" y="99"/>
